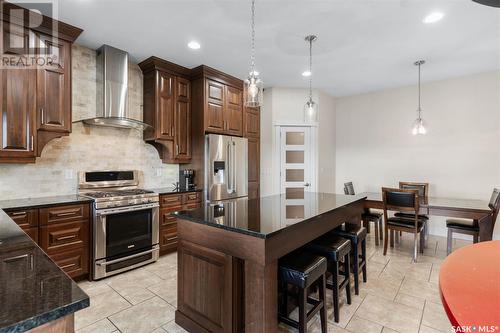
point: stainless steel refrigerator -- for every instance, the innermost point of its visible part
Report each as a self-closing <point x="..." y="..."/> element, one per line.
<point x="226" y="167"/>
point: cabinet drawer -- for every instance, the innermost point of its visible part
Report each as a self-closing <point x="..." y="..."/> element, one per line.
<point x="166" y="219"/>
<point x="168" y="236"/>
<point x="65" y="236"/>
<point x="192" y="197"/>
<point x="171" y="200"/>
<point x="64" y="214"/>
<point x="192" y="205"/>
<point x="25" y="218"/>
<point x="32" y="233"/>
<point x="74" y="263"/>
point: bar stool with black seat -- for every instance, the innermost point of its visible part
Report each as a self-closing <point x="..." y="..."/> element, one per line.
<point x="357" y="235"/>
<point x="423" y="193"/>
<point x="303" y="269"/>
<point x="406" y="201"/>
<point x="335" y="249"/>
<point x="370" y="215"/>
<point x="471" y="227"/>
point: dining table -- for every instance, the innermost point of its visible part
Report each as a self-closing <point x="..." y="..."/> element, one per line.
<point x="469" y="288"/>
<point x="449" y="207"/>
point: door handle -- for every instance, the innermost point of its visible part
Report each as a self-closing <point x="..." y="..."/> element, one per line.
<point x="307" y="184"/>
<point x="42" y="116"/>
<point x="233" y="172"/>
<point x="229" y="169"/>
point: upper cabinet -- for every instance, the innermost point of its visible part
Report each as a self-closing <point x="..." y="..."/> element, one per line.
<point x="217" y="101"/>
<point x="35" y="84"/>
<point x="167" y="109"/>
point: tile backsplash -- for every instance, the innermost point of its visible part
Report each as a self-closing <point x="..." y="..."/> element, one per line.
<point x="88" y="148"/>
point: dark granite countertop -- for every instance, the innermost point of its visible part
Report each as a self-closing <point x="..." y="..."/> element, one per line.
<point x="171" y="190"/>
<point x="42" y="202"/>
<point x="33" y="290"/>
<point x="266" y="216"/>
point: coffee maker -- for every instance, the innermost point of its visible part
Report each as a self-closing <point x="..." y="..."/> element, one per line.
<point x="186" y="180"/>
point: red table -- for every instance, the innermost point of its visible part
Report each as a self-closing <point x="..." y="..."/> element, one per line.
<point x="469" y="283"/>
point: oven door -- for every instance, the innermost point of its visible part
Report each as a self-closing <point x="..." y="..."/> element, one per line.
<point x="124" y="238"/>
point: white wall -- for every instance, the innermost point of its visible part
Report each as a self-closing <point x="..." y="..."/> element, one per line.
<point x="285" y="106"/>
<point x="459" y="157"/>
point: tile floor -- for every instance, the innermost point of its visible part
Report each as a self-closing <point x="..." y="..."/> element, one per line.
<point x="399" y="297"/>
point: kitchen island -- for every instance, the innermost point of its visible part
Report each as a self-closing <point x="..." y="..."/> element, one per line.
<point x="228" y="256"/>
<point x="35" y="294"/>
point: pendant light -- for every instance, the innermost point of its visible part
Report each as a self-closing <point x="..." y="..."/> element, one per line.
<point x="419" y="126"/>
<point x="311" y="107"/>
<point x="253" y="85"/>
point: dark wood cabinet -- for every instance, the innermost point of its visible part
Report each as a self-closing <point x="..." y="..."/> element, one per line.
<point x="35" y="94"/>
<point x="18" y="133"/>
<point x="54" y="85"/>
<point x="251" y="126"/>
<point x="167" y="109"/>
<point x="63" y="232"/>
<point x="217" y="102"/>
<point x="168" y="223"/>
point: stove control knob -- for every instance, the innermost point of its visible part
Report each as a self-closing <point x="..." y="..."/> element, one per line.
<point x="144" y="200"/>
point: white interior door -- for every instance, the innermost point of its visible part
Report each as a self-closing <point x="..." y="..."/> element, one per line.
<point x="297" y="165"/>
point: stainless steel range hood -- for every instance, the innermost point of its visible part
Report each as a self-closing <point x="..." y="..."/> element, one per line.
<point x="112" y="90"/>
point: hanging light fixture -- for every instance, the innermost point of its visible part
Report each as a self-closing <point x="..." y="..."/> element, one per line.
<point x="419" y="126"/>
<point x="311" y="107"/>
<point x="253" y="85"/>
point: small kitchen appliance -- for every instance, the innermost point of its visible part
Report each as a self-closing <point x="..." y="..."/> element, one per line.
<point x="186" y="180"/>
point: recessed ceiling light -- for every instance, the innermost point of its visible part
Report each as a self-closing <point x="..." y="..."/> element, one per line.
<point x="306" y="73"/>
<point x="194" y="45"/>
<point x="433" y="17"/>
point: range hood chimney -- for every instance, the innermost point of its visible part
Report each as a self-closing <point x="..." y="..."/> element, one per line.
<point x="112" y="90"/>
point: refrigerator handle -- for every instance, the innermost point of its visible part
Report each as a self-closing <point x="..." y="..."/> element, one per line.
<point x="229" y="168"/>
<point x="233" y="165"/>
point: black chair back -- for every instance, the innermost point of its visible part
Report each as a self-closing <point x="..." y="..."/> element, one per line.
<point x="495" y="204"/>
<point x="349" y="188"/>
<point x="397" y="199"/>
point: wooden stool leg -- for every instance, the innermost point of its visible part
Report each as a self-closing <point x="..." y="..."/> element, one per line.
<point x="381" y="226"/>
<point x="363" y="257"/>
<point x="355" y="267"/>
<point x="475" y="238"/>
<point x="347" y="275"/>
<point x="322" y="298"/>
<point x="376" y="232"/>
<point x="392" y="238"/>
<point x="303" y="310"/>
<point x="386" y="236"/>
<point x="396" y="238"/>
<point x="422" y="241"/>
<point x="335" y="289"/>
<point x="449" y="241"/>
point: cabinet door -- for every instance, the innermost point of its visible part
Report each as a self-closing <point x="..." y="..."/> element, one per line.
<point x="18" y="113"/>
<point x="251" y="122"/>
<point x="164" y="106"/>
<point x="214" y="111"/>
<point x="182" y="118"/>
<point x="54" y="85"/>
<point x="253" y="160"/>
<point x="233" y="111"/>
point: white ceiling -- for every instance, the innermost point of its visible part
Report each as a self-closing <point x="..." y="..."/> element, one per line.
<point x="362" y="45"/>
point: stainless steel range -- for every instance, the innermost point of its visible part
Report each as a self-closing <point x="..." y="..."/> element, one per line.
<point x="126" y="221"/>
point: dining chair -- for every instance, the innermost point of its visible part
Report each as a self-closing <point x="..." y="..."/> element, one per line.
<point x="471" y="227"/>
<point x="423" y="192"/>
<point x="405" y="201"/>
<point x="370" y="215"/>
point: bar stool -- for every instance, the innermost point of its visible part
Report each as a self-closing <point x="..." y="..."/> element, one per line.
<point x="370" y="215"/>
<point x="357" y="235"/>
<point x="334" y="249"/>
<point x="303" y="269"/>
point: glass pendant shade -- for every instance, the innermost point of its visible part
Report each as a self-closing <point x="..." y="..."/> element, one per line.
<point x="253" y="91"/>
<point x="419" y="127"/>
<point x="310" y="111"/>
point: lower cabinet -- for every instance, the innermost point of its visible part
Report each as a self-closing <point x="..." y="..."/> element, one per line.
<point x="63" y="233"/>
<point x="170" y="203"/>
